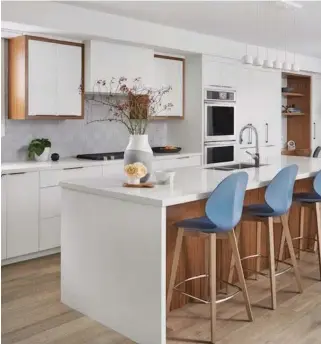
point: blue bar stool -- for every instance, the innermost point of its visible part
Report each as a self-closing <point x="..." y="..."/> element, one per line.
<point x="310" y="200"/>
<point x="223" y="212"/>
<point x="278" y="200"/>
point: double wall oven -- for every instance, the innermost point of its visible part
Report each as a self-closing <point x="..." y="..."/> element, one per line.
<point x="219" y="125"/>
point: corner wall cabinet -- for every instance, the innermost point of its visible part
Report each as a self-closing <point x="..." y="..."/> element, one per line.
<point x="46" y="77"/>
<point x="169" y="71"/>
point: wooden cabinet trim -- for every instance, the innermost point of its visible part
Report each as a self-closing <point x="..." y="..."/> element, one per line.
<point x="183" y="87"/>
<point x="20" y="45"/>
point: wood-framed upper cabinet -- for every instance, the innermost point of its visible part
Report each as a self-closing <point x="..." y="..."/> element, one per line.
<point x="46" y="77"/>
<point x="169" y="71"/>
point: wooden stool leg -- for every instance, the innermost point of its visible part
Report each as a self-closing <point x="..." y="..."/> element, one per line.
<point x="232" y="263"/>
<point x="206" y="268"/>
<point x="282" y="246"/>
<point x="258" y="247"/>
<point x="240" y="273"/>
<point x="285" y="224"/>
<point x="272" y="261"/>
<point x="301" y="231"/>
<point x="213" y="284"/>
<point x="318" y="235"/>
<point x="177" y="252"/>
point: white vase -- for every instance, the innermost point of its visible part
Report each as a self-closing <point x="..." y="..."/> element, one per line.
<point x="139" y="150"/>
<point x="44" y="156"/>
<point x="133" y="180"/>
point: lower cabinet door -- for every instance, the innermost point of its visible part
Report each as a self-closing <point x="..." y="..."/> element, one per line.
<point x="49" y="234"/>
<point x="22" y="196"/>
<point x="3" y="217"/>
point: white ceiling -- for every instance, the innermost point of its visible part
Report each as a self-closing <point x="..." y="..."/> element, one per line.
<point x="235" y="20"/>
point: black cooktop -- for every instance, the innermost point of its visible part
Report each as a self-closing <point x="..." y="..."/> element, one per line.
<point x="102" y="156"/>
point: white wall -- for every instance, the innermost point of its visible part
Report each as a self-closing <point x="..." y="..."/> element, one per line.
<point x="83" y="23"/>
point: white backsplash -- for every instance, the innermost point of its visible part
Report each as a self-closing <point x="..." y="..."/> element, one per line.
<point x="72" y="137"/>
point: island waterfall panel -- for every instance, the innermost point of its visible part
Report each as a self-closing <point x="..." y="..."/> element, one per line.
<point x="192" y="256"/>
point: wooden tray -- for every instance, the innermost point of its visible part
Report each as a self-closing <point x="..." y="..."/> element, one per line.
<point x="141" y="185"/>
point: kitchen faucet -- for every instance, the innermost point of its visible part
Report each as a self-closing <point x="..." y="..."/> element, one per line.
<point x="255" y="156"/>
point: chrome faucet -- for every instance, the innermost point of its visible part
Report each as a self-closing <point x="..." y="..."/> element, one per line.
<point x="255" y="156"/>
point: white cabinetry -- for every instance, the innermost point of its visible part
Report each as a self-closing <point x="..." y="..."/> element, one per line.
<point x="110" y="60"/>
<point x="22" y="208"/>
<point x="316" y="112"/>
<point x="55" y="75"/>
<point x="42" y="78"/>
<point x="3" y="217"/>
<point x="169" y="71"/>
<point x="217" y="73"/>
<point x="69" y="79"/>
<point x="177" y="162"/>
<point x="50" y="201"/>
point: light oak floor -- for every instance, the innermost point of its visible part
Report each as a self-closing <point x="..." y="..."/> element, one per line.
<point x="33" y="314"/>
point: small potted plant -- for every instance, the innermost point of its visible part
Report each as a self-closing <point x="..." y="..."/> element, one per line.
<point x="39" y="149"/>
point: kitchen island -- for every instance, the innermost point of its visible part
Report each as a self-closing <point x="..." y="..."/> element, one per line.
<point x="117" y="243"/>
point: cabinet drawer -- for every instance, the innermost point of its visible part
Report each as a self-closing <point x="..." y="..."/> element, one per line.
<point x="50" y="202"/>
<point x="49" y="234"/>
<point x="184" y="161"/>
<point x="52" y="178"/>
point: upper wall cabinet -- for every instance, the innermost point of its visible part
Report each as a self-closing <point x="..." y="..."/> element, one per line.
<point x="105" y="61"/>
<point x="169" y="71"/>
<point x="45" y="79"/>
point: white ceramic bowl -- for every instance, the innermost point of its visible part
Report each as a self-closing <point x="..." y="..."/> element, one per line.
<point x="164" y="177"/>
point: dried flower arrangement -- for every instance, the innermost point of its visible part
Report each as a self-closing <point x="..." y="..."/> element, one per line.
<point x="132" y="106"/>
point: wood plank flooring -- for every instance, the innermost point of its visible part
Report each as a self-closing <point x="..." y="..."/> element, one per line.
<point x="32" y="312"/>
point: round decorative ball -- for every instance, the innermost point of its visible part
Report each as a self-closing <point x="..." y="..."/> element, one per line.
<point x="55" y="157"/>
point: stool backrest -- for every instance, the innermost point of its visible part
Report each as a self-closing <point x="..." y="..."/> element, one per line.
<point x="317" y="183"/>
<point x="224" y="206"/>
<point x="278" y="194"/>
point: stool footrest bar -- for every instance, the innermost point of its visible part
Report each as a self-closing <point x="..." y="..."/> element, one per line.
<point x="219" y="300"/>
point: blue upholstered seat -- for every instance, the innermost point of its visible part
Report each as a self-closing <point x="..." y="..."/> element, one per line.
<point x="278" y="195"/>
<point x="310" y="197"/>
<point x="223" y="208"/>
<point x="202" y="223"/>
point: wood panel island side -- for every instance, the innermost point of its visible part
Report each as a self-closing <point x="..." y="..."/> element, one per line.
<point x="118" y="243"/>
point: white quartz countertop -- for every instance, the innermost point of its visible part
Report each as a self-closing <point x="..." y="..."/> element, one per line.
<point x="31" y="166"/>
<point x="191" y="183"/>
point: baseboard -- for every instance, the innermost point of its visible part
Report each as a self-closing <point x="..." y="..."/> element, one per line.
<point x="30" y="256"/>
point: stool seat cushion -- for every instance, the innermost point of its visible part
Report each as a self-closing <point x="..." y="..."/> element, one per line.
<point x="202" y="224"/>
<point x="261" y="210"/>
<point x="307" y="197"/>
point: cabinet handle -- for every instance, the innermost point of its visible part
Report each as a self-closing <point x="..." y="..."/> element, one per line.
<point x="266" y="132"/>
<point x="73" y="168"/>
<point x="314" y="137"/>
<point x="183" y="157"/>
<point x="14" y="173"/>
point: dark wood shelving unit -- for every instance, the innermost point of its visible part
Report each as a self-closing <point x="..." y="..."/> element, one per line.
<point x="292" y="113"/>
<point x="298" y="124"/>
<point x="287" y="94"/>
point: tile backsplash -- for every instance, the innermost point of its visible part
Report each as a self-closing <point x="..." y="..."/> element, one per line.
<point x="72" y="137"/>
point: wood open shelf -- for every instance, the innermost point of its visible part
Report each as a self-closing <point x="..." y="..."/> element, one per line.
<point x="293" y="114"/>
<point x="287" y="94"/>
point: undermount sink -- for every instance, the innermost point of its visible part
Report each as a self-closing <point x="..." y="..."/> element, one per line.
<point x="232" y="167"/>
